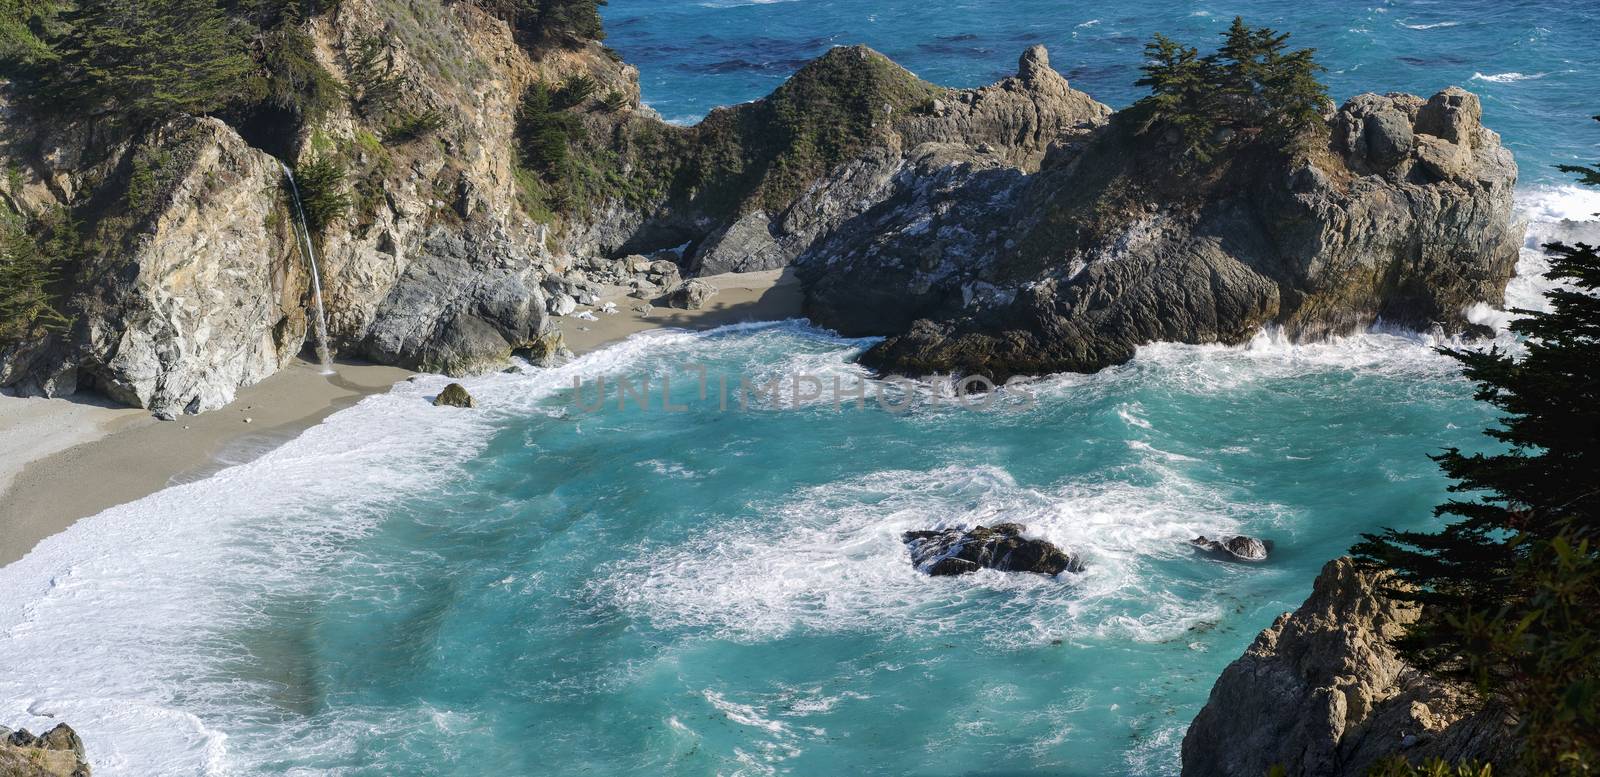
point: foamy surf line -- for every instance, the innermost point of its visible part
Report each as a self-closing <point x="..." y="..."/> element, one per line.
<point x="108" y="623"/>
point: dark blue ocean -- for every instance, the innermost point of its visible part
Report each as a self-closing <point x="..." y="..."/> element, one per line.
<point x="533" y="589"/>
<point x="1533" y="63"/>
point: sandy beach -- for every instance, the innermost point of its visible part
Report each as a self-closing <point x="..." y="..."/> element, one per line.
<point x="66" y="459"/>
<point x="769" y="295"/>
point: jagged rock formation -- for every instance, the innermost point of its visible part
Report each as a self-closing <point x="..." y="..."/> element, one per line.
<point x="1322" y="693"/>
<point x="1406" y="217"/>
<point x="756" y="185"/>
<point x="196" y="286"/>
<point x="1018" y="228"/>
<point x="945" y="552"/>
<point x="195" y="292"/>
<point x="56" y="753"/>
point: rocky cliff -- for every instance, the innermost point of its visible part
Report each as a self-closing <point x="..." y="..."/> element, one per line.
<point x="189" y="282"/>
<point x="1321" y="693"/>
<point x="1017" y="228"/>
<point x="970" y="267"/>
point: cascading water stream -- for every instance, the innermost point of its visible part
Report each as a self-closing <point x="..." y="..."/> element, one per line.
<point x="310" y="251"/>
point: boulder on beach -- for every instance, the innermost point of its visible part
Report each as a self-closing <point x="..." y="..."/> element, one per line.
<point x="454" y="395"/>
<point x="692" y="295"/>
<point x="1234" y="548"/>
<point x="942" y="552"/>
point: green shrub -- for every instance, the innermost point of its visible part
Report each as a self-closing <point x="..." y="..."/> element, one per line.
<point x="544" y="129"/>
<point x="615" y="101"/>
<point x="295" y="80"/>
<point x="408" y="125"/>
<point x="543" y="23"/>
<point x="148" y="60"/>
<point x="375" y="85"/>
<point x="1433" y="767"/>
<point x="323" y="194"/>
<point x="574" y="92"/>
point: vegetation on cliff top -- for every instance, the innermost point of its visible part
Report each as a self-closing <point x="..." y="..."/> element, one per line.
<point x="1252" y="88"/>
<point x="540" y="23"/>
<point x="1511" y="587"/>
<point x="757" y="156"/>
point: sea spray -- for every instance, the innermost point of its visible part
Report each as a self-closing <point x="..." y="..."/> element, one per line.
<point x="324" y="355"/>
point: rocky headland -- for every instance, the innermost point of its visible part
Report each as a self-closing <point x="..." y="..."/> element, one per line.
<point x="1018" y="228"/>
<point x="1323" y="693"/>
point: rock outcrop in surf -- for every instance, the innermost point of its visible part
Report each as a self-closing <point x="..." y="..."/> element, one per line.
<point x="946" y="552"/>
<point x="1404" y="218"/>
<point x="1237" y="547"/>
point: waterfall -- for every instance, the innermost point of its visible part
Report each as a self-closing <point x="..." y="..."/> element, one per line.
<point x="310" y="252"/>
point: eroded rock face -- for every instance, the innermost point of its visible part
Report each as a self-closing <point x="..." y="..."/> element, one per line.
<point x="956" y="552"/>
<point x="1004" y="230"/>
<point x="465" y="305"/>
<point x="974" y="268"/>
<point x="1322" y="693"/>
<point x="56" y="753"/>
<point x="202" y="287"/>
<point x="1011" y="124"/>
<point x="200" y="291"/>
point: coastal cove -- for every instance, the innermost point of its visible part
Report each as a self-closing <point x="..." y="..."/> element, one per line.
<point x="1231" y="351"/>
<point x="116" y="455"/>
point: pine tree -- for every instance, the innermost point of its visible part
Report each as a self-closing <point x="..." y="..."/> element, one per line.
<point x="29" y="265"/>
<point x="1182" y="95"/>
<point x="149" y="59"/>
<point x="1295" y="99"/>
<point x="1240" y="60"/>
<point x="1253" y="84"/>
<point x="1510" y="588"/>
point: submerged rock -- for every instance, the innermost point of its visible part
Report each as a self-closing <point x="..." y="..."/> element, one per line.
<point x="454" y="395"/>
<point x="1237" y="547"/>
<point x="1322" y="692"/>
<point x="941" y="552"/>
<point x="56" y="753"/>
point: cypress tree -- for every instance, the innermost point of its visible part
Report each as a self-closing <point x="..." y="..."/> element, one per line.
<point x="1509" y="589"/>
<point x="1253" y="84"/>
<point x="149" y="59"/>
<point x="1182" y="95"/>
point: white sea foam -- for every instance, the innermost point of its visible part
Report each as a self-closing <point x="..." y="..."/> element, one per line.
<point x="1429" y="26"/>
<point x="831" y="558"/>
<point x="1506" y="78"/>
<point x="117" y="624"/>
<point x="1569" y="214"/>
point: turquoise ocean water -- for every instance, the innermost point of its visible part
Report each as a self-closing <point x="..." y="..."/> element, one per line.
<point x="533" y="589"/>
